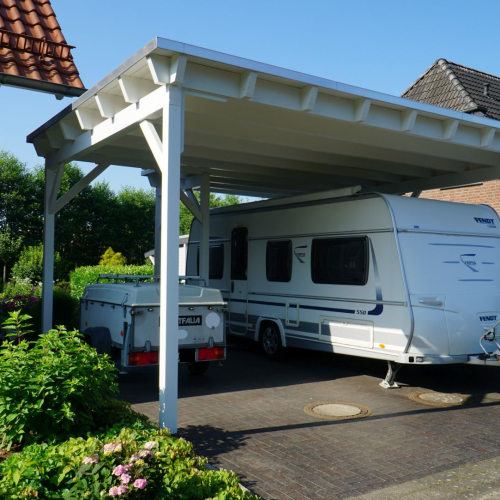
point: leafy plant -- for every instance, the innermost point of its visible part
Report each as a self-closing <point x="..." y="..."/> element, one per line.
<point x="30" y="264"/>
<point x="52" y="388"/>
<point x="83" y="276"/>
<point x="9" y="248"/>
<point x="112" y="258"/>
<point x="65" y="308"/>
<point x="17" y="325"/>
<point x="134" y="463"/>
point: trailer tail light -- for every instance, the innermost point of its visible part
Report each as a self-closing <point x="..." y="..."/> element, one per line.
<point x="143" y="358"/>
<point x="208" y="353"/>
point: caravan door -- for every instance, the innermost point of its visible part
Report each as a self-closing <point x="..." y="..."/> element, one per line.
<point x="238" y="297"/>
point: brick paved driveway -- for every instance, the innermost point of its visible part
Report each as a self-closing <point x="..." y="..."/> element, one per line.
<point x="248" y="416"/>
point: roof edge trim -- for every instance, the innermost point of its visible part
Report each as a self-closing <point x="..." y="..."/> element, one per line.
<point x="57" y="89"/>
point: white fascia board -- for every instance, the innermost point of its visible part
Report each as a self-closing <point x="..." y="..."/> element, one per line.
<point x="131" y="115"/>
<point x="214" y="60"/>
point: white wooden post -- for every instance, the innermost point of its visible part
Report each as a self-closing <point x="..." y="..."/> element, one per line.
<point x="158" y="231"/>
<point x="53" y="174"/>
<point x="169" y="285"/>
<point x="205" y="228"/>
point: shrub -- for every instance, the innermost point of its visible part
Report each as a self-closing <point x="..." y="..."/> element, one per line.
<point x="20" y="287"/>
<point x="65" y="307"/>
<point x="65" y="311"/>
<point x="18" y="297"/>
<point x="30" y="263"/>
<point x="112" y="258"/>
<point x="144" y="462"/>
<point x="52" y="388"/>
<point x="83" y="276"/>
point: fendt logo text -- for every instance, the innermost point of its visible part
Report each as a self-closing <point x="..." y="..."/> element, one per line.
<point x="487" y="318"/>
<point x="489" y="222"/>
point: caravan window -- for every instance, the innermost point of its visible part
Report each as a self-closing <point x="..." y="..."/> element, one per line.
<point x="216" y="262"/>
<point x="340" y="261"/>
<point x="239" y="253"/>
<point x="279" y="261"/>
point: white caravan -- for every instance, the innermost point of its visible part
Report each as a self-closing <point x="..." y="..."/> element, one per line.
<point x="403" y="279"/>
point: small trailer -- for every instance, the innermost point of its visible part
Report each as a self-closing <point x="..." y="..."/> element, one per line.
<point x="125" y="315"/>
<point x="407" y="280"/>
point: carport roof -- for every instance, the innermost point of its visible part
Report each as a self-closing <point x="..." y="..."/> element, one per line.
<point x="261" y="130"/>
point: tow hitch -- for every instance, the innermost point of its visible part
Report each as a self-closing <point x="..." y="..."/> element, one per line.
<point x="488" y="358"/>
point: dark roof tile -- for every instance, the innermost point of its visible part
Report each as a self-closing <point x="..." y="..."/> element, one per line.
<point x="457" y="87"/>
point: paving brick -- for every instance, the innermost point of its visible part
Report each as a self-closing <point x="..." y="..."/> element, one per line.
<point x="248" y="416"/>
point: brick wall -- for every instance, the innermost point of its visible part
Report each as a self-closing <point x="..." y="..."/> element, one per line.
<point x="487" y="193"/>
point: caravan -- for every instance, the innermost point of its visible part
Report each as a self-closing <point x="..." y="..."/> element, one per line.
<point x="397" y="278"/>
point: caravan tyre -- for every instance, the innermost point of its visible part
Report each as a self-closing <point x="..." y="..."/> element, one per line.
<point x="270" y="340"/>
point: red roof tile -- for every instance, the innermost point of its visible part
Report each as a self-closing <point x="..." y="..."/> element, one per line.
<point x="32" y="44"/>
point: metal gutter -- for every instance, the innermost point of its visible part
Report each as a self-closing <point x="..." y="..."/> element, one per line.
<point x="57" y="89"/>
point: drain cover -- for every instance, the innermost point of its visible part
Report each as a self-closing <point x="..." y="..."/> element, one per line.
<point x="337" y="411"/>
<point x="440" y="398"/>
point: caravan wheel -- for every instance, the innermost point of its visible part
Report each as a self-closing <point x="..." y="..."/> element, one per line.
<point x="270" y="340"/>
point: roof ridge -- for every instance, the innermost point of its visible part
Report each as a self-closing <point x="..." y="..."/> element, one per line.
<point x="475" y="70"/>
<point x="455" y="82"/>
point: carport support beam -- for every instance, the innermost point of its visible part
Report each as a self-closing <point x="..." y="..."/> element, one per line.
<point x="205" y="228"/>
<point x="169" y="278"/>
<point x="53" y="175"/>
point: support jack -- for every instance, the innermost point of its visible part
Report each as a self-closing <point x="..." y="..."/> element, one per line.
<point x="389" y="381"/>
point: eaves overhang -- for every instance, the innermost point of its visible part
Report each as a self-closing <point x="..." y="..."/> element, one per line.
<point x="57" y="89"/>
<point x="261" y="130"/>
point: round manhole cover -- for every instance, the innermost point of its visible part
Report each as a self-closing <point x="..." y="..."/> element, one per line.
<point x="337" y="411"/>
<point x="440" y="398"/>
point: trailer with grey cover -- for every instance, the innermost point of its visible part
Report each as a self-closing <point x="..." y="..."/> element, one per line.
<point x="124" y="315"/>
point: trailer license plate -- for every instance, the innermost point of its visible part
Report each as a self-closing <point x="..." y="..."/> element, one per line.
<point x="189" y="320"/>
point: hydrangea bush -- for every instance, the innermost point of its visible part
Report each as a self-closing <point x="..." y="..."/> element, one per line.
<point x="132" y="463"/>
<point x="76" y="441"/>
<point x="53" y="388"/>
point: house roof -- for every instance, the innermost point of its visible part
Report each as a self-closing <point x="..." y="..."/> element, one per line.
<point x="33" y="51"/>
<point x="457" y="87"/>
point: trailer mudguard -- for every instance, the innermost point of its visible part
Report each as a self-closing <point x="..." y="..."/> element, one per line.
<point x="100" y="339"/>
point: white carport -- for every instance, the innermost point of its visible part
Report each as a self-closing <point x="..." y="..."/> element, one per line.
<point x="211" y="121"/>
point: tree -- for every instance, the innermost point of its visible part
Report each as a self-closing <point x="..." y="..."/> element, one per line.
<point x="135" y="223"/>
<point x="30" y="263"/>
<point x="19" y="208"/>
<point x="186" y="217"/>
<point x="9" y="248"/>
<point x="84" y="227"/>
<point x="112" y="258"/>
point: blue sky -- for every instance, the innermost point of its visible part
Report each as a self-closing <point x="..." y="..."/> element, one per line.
<point x="382" y="45"/>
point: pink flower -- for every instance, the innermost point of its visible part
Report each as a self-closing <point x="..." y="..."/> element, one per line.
<point x="111" y="447"/>
<point x="140" y="483"/>
<point x="149" y="445"/>
<point x="145" y="453"/>
<point x="117" y="490"/>
<point x="125" y="478"/>
<point x="133" y="458"/>
<point x="91" y="460"/>
<point x="119" y="470"/>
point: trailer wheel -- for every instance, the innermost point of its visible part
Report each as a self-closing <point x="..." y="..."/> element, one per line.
<point x="198" y="369"/>
<point x="270" y="340"/>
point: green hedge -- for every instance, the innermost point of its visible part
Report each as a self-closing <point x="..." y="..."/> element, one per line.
<point x="83" y="276"/>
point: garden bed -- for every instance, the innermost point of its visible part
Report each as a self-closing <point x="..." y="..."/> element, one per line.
<point x="64" y="435"/>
